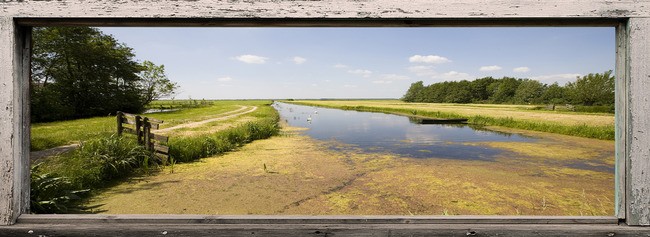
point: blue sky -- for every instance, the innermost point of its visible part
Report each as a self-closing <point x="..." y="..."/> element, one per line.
<point x="260" y="63"/>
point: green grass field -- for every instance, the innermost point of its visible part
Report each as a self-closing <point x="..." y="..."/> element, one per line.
<point x="53" y="134"/>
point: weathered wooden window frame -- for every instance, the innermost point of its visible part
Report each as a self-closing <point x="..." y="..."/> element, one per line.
<point x="630" y="18"/>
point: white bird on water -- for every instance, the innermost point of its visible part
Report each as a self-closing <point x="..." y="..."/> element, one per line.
<point x="309" y="118"/>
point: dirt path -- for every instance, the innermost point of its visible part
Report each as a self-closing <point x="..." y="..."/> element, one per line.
<point x="223" y="116"/>
<point x="293" y="174"/>
<point x="35" y="156"/>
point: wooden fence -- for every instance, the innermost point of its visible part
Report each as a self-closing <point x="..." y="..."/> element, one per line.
<point x="141" y="127"/>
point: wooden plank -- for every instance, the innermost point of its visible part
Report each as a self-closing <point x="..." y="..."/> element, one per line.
<point x="157" y="121"/>
<point x="338" y="230"/>
<point x="153" y="125"/>
<point x="160" y="138"/>
<point x="161" y="149"/>
<point x="303" y="219"/>
<point x="128" y="120"/>
<point x="127" y="115"/>
<point x="638" y="164"/>
<point x="129" y="130"/>
<point x="622" y="110"/>
<point x="163" y="157"/>
<point x="201" y="11"/>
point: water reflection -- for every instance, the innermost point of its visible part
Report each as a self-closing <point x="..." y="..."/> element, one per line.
<point x="378" y="132"/>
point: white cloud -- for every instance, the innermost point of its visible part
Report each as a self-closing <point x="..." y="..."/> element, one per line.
<point x="489" y="68"/>
<point x="299" y="60"/>
<point x="349" y="86"/>
<point x="435" y="59"/>
<point x="422" y="70"/>
<point x="452" y="76"/>
<point x="382" y="82"/>
<point x="340" y="65"/>
<point x="559" y="78"/>
<point x="254" y="59"/>
<point x="394" y="77"/>
<point x="224" y="79"/>
<point x="362" y="72"/>
<point x="521" y="69"/>
<point x="314" y="84"/>
<point x="427" y="71"/>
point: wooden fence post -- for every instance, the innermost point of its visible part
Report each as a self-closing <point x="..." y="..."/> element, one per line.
<point x="138" y="128"/>
<point x="120" y="118"/>
<point x="146" y="130"/>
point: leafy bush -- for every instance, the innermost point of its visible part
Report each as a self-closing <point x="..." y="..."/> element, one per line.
<point x="100" y="160"/>
<point x="51" y="193"/>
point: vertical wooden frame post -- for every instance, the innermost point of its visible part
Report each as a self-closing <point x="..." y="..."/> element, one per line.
<point x="621" y="118"/>
<point x="15" y="53"/>
<point x="637" y="131"/>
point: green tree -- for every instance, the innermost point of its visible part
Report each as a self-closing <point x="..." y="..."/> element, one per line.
<point x="529" y="92"/>
<point x="154" y="83"/>
<point x="504" y="89"/>
<point x="458" y="92"/>
<point x="81" y="72"/>
<point x="479" y="89"/>
<point x="414" y="93"/>
<point x="554" y="94"/>
<point x="593" y="89"/>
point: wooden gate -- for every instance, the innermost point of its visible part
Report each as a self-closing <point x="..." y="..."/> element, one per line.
<point x="141" y="127"/>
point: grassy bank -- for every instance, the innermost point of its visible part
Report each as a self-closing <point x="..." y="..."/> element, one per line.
<point x="60" y="180"/>
<point x="585" y="129"/>
<point x="53" y="134"/>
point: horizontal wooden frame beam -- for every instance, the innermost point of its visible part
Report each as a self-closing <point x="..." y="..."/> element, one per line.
<point x="323" y="22"/>
<point x="303" y="219"/>
<point x="317" y="9"/>
<point x="338" y="230"/>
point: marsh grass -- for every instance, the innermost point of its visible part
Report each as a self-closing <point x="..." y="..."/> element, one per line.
<point x="53" y="134"/>
<point x="581" y="130"/>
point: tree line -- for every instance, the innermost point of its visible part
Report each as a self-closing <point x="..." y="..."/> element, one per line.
<point x="80" y="72"/>
<point x="589" y="90"/>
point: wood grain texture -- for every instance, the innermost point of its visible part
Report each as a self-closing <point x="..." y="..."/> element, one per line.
<point x="328" y="9"/>
<point x="74" y="229"/>
<point x="638" y="164"/>
<point x="621" y="119"/>
<point x="266" y="219"/>
<point x="8" y="202"/>
<point x="14" y="120"/>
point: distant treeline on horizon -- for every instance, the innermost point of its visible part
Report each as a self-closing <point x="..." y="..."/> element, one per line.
<point x="595" y="89"/>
